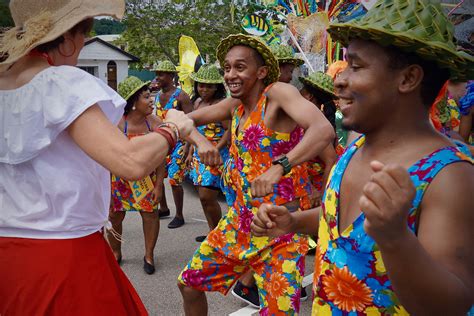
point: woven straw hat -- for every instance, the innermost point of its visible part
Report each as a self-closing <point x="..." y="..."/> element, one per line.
<point x="41" y="21"/>
<point x="165" y="66"/>
<point x="130" y="86"/>
<point x="285" y="55"/>
<point x="262" y="48"/>
<point x="417" y="26"/>
<point x="319" y="81"/>
<point x="207" y="74"/>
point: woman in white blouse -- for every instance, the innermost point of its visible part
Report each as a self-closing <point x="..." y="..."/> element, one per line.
<point x="58" y="142"/>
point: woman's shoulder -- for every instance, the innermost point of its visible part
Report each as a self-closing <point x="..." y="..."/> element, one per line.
<point x="154" y="120"/>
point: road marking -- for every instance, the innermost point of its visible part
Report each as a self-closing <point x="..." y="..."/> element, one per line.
<point x="246" y="311"/>
<point x="199" y="220"/>
<point x="307" y="280"/>
<point x="249" y="311"/>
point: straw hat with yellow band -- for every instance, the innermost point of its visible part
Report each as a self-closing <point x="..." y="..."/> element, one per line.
<point x="130" y="86"/>
<point x="207" y="74"/>
<point x="285" y="55"/>
<point x="261" y="47"/>
<point x="417" y="26"/>
<point x="320" y="81"/>
<point x="165" y="66"/>
<point x="35" y="25"/>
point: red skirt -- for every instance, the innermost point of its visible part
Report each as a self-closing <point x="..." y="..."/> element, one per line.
<point x="64" y="277"/>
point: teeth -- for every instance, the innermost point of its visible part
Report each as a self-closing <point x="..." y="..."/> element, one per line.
<point x="234" y="85"/>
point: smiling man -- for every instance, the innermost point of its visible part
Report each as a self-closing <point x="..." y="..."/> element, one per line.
<point x="395" y="229"/>
<point x="274" y="129"/>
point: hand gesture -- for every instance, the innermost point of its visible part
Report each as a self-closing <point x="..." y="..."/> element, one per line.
<point x="386" y="201"/>
<point x="183" y="122"/>
<point x="272" y="220"/>
<point x="263" y="184"/>
<point x="209" y="154"/>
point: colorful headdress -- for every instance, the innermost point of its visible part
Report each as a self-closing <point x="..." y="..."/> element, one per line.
<point x="39" y="21"/>
<point x="262" y="48"/>
<point x="207" y="74"/>
<point x="320" y="81"/>
<point x="418" y="26"/>
<point x="130" y="86"/>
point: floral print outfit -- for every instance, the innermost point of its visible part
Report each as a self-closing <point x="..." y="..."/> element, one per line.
<point x="176" y="162"/>
<point x="230" y="249"/>
<point x="202" y="174"/>
<point x="350" y="277"/>
<point x="122" y="197"/>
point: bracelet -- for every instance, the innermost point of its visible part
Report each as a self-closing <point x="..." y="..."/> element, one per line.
<point x="169" y="138"/>
<point x="171" y="126"/>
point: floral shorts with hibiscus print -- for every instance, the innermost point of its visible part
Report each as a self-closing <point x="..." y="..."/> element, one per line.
<point x="230" y="250"/>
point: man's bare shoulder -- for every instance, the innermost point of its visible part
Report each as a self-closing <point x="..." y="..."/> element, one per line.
<point x="450" y="192"/>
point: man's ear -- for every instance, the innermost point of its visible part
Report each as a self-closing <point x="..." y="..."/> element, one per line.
<point x="410" y="78"/>
<point x="262" y="72"/>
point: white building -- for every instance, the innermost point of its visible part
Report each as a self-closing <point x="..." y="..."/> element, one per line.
<point x="105" y="61"/>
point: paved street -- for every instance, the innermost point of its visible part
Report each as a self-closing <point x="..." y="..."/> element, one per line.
<point x="173" y="250"/>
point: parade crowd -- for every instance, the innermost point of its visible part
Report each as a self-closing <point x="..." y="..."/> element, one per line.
<point x="368" y="165"/>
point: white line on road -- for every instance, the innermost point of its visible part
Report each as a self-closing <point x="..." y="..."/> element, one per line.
<point x="199" y="220"/>
<point x="246" y="311"/>
<point x="249" y="311"/>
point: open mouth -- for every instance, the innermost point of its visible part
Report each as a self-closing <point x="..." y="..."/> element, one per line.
<point x="234" y="86"/>
<point x="345" y="104"/>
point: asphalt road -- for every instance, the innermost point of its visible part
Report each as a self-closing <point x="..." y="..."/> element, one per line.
<point x="174" y="248"/>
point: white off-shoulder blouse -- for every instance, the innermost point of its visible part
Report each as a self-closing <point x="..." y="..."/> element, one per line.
<point x="49" y="187"/>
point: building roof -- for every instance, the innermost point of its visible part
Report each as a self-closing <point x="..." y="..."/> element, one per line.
<point x="118" y="49"/>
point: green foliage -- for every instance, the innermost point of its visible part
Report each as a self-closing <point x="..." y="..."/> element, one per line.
<point x="153" y="29"/>
<point x="107" y="26"/>
<point x="5" y="16"/>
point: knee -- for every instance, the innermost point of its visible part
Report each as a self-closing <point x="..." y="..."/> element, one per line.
<point x="188" y="293"/>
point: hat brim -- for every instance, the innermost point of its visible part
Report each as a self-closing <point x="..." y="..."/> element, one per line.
<point x="240" y="39"/>
<point x="202" y="80"/>
<point x="84" y="10"/>
<point x="136" y="89"/>
<point x="308" y="82"/>
<point x="460" y="64"/>
<point x="294" y="61"/>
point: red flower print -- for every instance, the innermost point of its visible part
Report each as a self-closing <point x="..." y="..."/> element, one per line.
<point x="286" y="189"/>
<point x="281" y="148"/>
<point x="252" y="136"/>
<point x="245" y="219"/>
<point x="193" y="277"/>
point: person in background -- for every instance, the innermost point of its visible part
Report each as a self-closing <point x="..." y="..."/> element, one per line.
<point x="287" y="61"/>
<point x="137" y="120"/>
<point x="208" y="90"/>
<point x="171" y="97"/>
<point x="58" y="144"/>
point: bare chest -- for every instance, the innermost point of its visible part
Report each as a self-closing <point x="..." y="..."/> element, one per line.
<point x="354" y="179"/>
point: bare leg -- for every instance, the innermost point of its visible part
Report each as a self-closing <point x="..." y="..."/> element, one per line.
<point x="163" y="203"/>
<point x="178" y="194"/>
<point x="194" y="301"/>
<point x="116" y="218"/>
<point x="212" y="209"/>
<point x="151" y="228"/>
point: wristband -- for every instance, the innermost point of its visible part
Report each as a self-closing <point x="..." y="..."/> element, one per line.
<point x="283" y="161"/>
<point x="168" y="136"/>
<point x="171" y="126"/>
